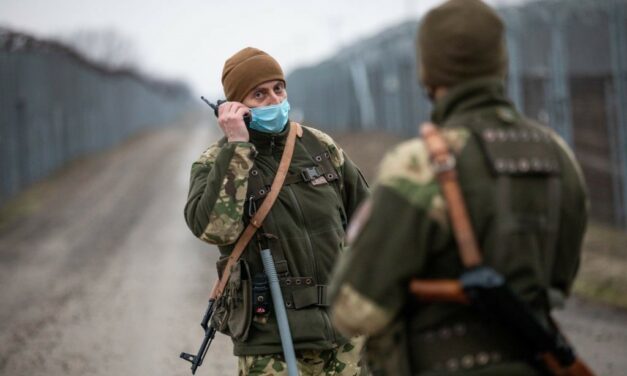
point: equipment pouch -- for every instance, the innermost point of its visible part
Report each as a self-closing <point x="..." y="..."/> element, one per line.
<point x="233" y="312"/>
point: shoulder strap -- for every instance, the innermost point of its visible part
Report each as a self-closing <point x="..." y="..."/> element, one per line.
<point x="264" y="209"/>
<point x="443" y="163"/>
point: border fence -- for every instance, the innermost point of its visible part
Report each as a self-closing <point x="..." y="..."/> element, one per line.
<point x="567" y="69"/>
<point x="55" y="106"/>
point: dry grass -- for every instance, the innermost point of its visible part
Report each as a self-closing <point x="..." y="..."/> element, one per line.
<point x="603" y="271"/>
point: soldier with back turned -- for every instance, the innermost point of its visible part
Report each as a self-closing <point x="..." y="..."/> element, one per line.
<point x="526" y="202"/>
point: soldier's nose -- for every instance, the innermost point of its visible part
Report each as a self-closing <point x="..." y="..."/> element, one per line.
<point x="275" y="99"/>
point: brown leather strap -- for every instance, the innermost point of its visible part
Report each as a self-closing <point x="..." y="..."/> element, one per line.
<point x="264" y="209"/>
<point x="443" y="163"/>
<point x="441" y="290"/>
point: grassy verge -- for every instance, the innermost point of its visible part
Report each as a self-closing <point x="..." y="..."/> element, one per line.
<point x="22" y="205"/>
<point x="603" y="271"/>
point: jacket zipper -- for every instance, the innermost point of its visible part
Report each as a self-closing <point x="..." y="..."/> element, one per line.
<point x="301" y="215"/>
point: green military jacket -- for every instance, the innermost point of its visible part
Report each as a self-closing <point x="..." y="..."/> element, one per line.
<point x="305" y="229"/>
<point x="526" y="200"/>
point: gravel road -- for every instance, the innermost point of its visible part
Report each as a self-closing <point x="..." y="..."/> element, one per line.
<point x="102" y="277"/>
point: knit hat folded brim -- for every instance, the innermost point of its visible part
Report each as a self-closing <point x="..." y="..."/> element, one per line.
<point x="246" y="70"/>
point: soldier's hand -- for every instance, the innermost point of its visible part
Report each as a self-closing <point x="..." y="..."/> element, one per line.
<point x="231" y="121"/>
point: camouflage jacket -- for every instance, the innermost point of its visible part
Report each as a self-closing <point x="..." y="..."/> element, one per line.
<point x="530" y="228"/>
<point x="307" y="224"/>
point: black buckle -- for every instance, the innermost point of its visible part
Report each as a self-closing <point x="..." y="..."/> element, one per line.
<point x="322" y="295"/>
<point x="310" y="173"/>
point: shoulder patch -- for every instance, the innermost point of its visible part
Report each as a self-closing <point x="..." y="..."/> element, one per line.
<point x="337" y="155"/>
<point x="407" y="161"/>
<point x="407" y="170"/>
<point x="456" y="138"/>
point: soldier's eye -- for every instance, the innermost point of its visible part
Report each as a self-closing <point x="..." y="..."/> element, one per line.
<point x="279" y="88"/>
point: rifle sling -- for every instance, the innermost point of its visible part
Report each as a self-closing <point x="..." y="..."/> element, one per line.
<point x="443" y="163"/>
<point x="257" y="220"/>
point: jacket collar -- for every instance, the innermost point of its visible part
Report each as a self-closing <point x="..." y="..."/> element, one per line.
<point x="267" y="143"/>
<point x="468" y="96"/>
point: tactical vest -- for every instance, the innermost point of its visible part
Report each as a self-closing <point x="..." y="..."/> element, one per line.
<point x="299" y="292"/>
<point x="304" y="290"/>
<point x="521" y="161"/>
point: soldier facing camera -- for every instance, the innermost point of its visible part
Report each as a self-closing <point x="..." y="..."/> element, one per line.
<point x="304" y="228"/>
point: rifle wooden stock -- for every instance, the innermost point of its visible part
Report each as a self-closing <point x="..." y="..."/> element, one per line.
<point x="578" y="368"/>
<point x="446" y="290"/>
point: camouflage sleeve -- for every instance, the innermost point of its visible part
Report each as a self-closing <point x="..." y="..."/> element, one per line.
<point x="573" y="220"/>
<point x="370" y="283"/>
<point x="218" y="184"/>
<point x="354" y="185"/>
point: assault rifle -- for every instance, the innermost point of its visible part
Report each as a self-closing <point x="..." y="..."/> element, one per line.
<point x="487" y="291"/>
<point x="210" y="333"/>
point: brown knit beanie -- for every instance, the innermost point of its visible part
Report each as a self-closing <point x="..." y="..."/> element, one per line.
<point x="245" y="70"/>
<point x="460" y="40"/>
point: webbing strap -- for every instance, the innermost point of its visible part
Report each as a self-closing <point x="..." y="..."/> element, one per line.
<point x="264" y="209"/>
<point x="443" y="163"/>
<point x="308" y="296"/>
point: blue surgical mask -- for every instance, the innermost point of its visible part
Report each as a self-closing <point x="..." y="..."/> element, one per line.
<point x="270" y="119"/>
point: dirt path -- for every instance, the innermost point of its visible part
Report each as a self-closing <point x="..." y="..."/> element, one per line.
<point x="103" y="277"/>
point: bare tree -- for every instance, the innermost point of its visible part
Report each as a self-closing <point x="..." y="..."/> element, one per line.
<point x="104" y="46"/>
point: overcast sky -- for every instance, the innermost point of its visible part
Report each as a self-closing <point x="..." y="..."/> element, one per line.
<point x="191" y="39"/>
